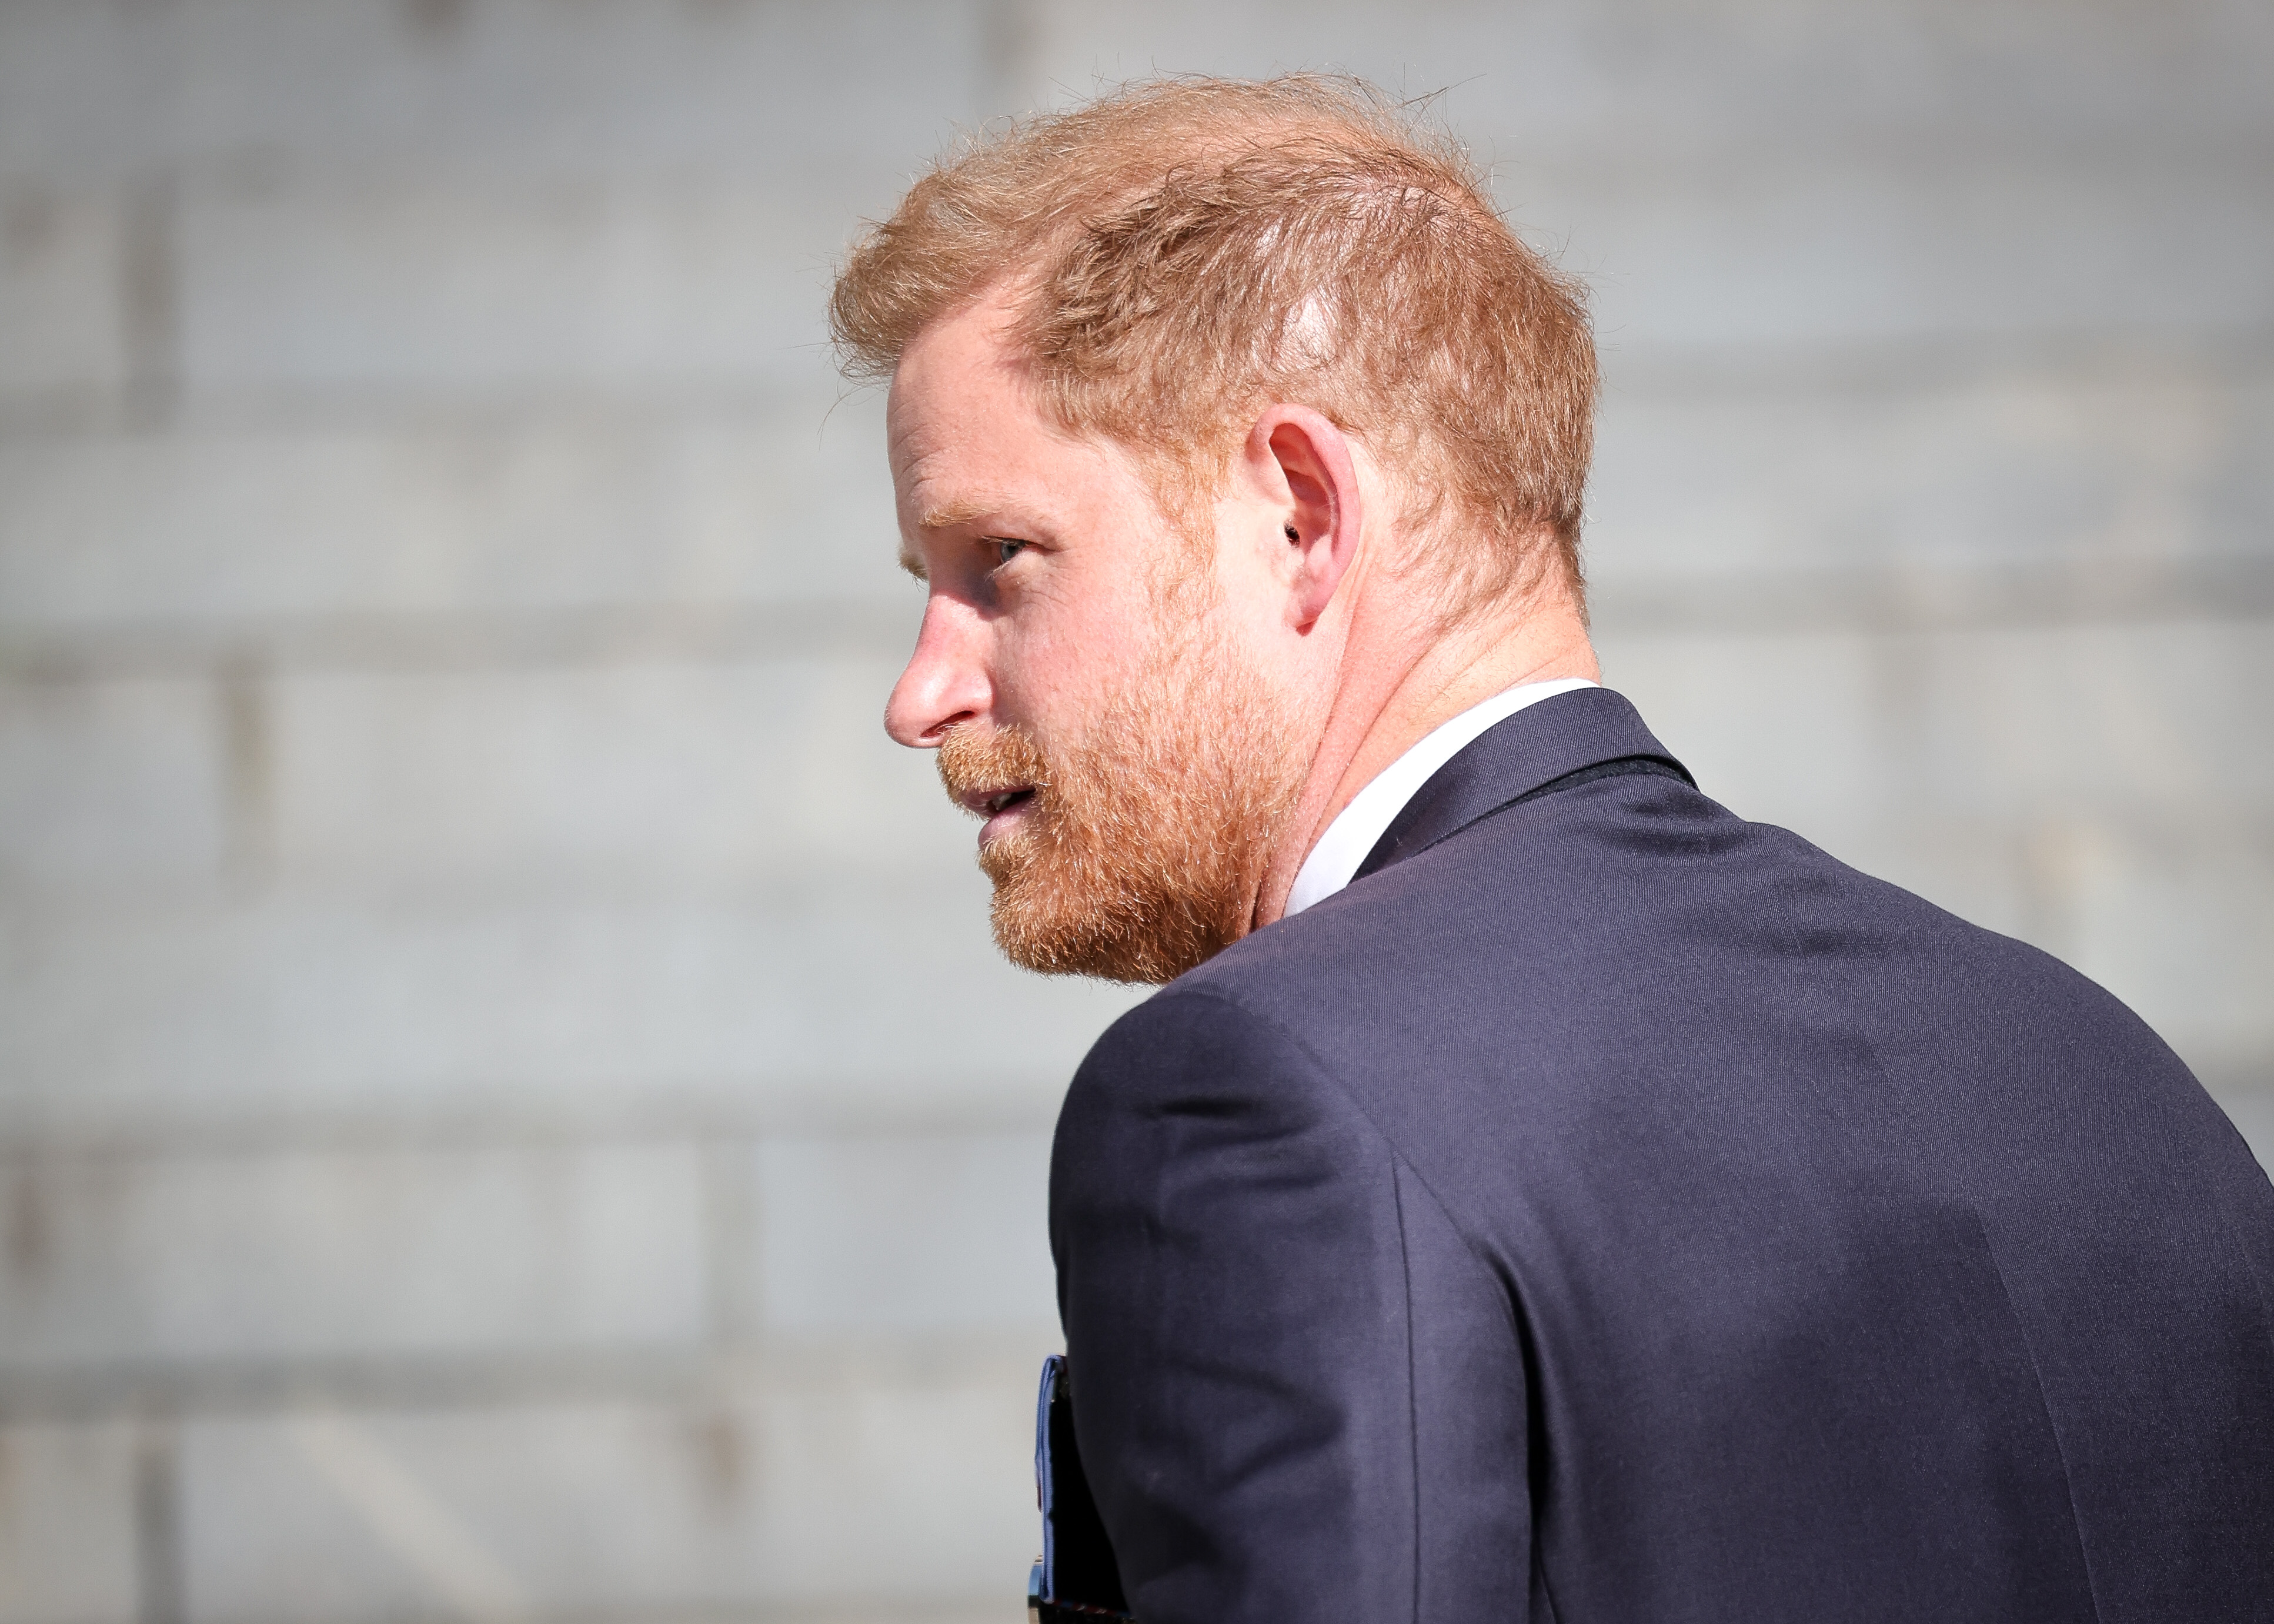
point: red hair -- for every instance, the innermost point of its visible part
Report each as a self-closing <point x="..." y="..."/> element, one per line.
<point x="1186" y="252"/>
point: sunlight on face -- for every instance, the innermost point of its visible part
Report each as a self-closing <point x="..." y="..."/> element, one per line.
<point x="1086" y="694"/>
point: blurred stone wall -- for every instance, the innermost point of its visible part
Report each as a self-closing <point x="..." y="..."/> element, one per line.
<point x="507" y="1110"/>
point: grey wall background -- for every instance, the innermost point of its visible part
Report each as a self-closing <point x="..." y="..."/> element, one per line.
<point x="507" y="1108"/>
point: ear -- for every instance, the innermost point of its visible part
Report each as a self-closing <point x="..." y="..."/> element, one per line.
<point x="1313" y="477"/>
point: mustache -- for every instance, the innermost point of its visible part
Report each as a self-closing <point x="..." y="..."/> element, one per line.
<point x="973" y="761"/>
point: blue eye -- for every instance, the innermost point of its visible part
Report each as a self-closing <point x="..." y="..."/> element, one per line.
<point x="1005" y="549"/>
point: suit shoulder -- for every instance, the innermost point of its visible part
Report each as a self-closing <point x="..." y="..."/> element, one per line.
<point x="1198" y="1035"/>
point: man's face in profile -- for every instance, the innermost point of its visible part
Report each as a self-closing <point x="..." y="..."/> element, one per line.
<point x="1088" y="695"/>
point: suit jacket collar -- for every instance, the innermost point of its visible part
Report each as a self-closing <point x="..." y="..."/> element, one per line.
<point x="1540" y="744"/>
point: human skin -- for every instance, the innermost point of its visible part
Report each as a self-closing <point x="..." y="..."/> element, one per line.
<point x="1039" y="549"/>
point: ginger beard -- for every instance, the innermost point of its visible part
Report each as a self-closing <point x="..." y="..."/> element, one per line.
<point x="1146" y="841"/>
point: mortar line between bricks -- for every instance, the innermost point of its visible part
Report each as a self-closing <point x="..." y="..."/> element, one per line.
<point x="1772" y="602"/>
<point x="180" y="1390"/>
<point x="414" y="1130"/>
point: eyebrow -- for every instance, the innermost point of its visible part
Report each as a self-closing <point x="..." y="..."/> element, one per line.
<point x="947" y="516"/>
<point x="954" y="513"/>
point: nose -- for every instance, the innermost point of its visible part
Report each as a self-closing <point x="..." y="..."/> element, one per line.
<point x="946" y="679"/>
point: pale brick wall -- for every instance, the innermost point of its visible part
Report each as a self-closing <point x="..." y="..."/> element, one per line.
<point x="507" y="1108"/>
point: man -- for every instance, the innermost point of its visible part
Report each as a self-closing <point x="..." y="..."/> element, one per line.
<point x="1538" y="1193"/>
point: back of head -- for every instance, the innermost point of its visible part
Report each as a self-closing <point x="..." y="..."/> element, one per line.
<point x="1186" y="252"/>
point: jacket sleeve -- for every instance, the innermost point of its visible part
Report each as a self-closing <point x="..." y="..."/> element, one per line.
<point x="1295" y="1389"/>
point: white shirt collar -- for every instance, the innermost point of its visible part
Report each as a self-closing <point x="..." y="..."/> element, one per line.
<point x="1359" y="825"/>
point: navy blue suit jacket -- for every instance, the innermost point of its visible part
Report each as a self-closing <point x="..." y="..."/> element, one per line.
<point x="1609" y="1209"/>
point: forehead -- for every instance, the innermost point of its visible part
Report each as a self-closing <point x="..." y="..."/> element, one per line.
<point x="955" y="381"/>
<point x="965" y="435"/>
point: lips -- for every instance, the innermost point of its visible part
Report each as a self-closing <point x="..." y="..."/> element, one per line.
<point x="996" y="776"/>
<point x="990" y="802"/>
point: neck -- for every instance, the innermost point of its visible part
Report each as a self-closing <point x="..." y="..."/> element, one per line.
<point x="1400" y="679"/>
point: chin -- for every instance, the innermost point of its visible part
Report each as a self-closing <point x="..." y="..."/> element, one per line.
<point x="1104" y="922"/>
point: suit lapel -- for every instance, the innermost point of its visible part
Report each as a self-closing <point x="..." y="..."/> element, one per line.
<point x="1541" y="743"/>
